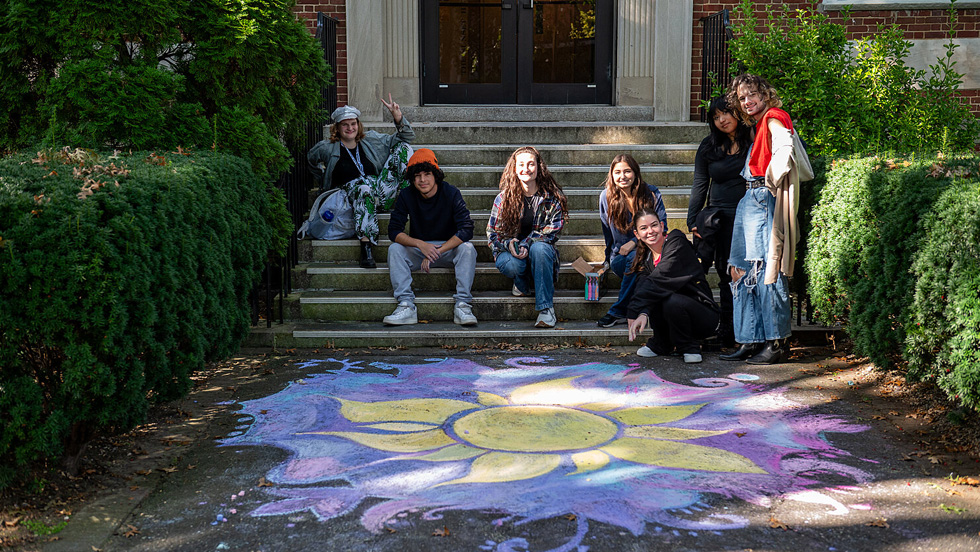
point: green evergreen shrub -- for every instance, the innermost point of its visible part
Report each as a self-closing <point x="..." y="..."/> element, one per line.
<point x="867" y="230"/>
<point x="120" y="274"/>
<point x="236" y="76"/>
<point x="854" y="96"/>
<point x="944" y="342"/>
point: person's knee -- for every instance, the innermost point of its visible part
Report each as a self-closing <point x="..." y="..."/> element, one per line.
<point x="397" y="251"/>
<point x="466" y="251"/>
<point x="542" y="251"/>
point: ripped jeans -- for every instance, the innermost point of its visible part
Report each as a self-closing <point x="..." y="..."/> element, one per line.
<point x="762" y="312"/>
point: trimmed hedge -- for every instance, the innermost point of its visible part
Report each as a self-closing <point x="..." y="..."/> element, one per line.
<point x="119" y="276"/>
<point x="893" y="257"/>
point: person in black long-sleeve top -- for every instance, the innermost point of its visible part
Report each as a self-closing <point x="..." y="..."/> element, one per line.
<point x="439" y="236"/>
<point x="718" y="179"/>
<point x="671" y="293"/>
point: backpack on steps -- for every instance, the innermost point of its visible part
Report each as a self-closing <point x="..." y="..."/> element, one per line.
<point x="331" y="217"/>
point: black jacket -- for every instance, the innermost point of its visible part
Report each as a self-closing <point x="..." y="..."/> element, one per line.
<point x="679" y="271"/>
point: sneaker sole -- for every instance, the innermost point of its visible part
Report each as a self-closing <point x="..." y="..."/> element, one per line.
<point x="400" y="323"/>
<point x="616" y="322"/>
<point x="461" y="323"/>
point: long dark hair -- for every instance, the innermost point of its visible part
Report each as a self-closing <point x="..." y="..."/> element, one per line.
<point x="512" y="205"/>
<point x="642" y="249"/>
<point x="721" y="143"/>
<point x="623" y="203"/>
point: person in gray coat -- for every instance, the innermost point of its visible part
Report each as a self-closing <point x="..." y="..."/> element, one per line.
<point x="368" y="166"/>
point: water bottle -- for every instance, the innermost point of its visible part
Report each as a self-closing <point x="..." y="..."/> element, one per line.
<point x="327" y="215"/>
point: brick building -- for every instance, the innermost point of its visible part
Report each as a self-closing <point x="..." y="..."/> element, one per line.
<point x="578" y="52"/>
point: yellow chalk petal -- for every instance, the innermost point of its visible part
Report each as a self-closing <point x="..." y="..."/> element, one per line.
<point x="402" y="426"/>
<point x="674" y="433"/>
<point x="418" y="441"/>
<point x="643" y="415"/>
<point x="454" y="452"/>
<point x="433" y="411"/>
<point x="601" y="406"/>
<point x="670" y="454"/>
<point x="589" y="461"/>
<point x="489" y="399"/>
<point x="501" y="467"/>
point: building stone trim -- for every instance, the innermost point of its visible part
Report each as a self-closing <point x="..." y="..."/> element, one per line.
<point x="673" y="29"/>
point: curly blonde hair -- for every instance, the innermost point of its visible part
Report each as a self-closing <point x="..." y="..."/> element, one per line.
<point x="512" y="205"/>
<point x="761" y="85"/>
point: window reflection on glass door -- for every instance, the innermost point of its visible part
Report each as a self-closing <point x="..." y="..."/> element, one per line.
<point x="469" y="42"/>
<point x="564" y="41"/>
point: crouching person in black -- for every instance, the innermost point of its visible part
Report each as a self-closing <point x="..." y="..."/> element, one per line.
<point x="671" y="293"/>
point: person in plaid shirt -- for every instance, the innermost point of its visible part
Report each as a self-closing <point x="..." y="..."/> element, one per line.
<point x="525" y="222"/>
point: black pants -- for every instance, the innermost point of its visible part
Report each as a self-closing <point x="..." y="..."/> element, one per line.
<point x="716" y="251"/>
<point x="679" y="323"/>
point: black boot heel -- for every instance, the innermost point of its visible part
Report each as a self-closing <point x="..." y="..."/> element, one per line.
<point x="745" y="351"/>
<point x="367" y="259"/>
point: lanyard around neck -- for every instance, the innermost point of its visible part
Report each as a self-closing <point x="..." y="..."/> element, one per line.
<point x="356" y="158"/>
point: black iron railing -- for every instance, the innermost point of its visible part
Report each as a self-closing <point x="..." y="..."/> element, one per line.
<point x="296" y="184"/>
<point x="715" y="59"/>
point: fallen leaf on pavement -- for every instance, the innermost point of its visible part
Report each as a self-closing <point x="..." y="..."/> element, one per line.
<point x="144" y="472"/>
<point x="168" y="470"/>
<point x="444" y="532"/>
<point x="13" y="522"/>
<point x="131" y="531"/>
<point x="776" y="524"/>
<point x="570" y="517"/>
<point x="880" y="522"/>
<point x="264" y="483"/>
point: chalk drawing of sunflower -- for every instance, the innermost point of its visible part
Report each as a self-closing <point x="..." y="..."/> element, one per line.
<point x="528" y="441"/>
<point x="527" y="435"/>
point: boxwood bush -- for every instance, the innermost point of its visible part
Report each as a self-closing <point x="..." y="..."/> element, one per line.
<point x="944" y="341"/>
<point x="893" y="257"/>
<point x="120" y="274"/>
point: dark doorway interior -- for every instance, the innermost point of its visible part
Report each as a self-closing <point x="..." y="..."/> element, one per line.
<point x="517" y="52"/>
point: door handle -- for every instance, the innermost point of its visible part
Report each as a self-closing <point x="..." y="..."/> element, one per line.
<point x="506" y="6"/>
<point x="528" y="5"/>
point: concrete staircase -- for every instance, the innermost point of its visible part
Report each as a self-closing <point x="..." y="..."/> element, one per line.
<point x="337" y="304"/>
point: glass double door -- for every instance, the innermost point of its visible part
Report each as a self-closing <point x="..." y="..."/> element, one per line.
<point x="517" y="51"/>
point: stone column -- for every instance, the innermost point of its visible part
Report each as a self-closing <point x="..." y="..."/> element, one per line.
<point x="401" y="76"/>
<point x="673" y="30"/>
<point x="365" y="56"/>
<point x="634" y="52"/>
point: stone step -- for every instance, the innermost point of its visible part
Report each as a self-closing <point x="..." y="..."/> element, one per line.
<point x="520" y="113"/>
<point x="590" y="248"/>
<point x="565" y="154"/>
<point x="579" y="223"/>
<point x="336" y="306"/>
<point x="503" y="334"/>
<point x="554" y="132"/>
<point x="579" y="199"/>
<point x="350" y="277"/>
<point x="570" y="177"/>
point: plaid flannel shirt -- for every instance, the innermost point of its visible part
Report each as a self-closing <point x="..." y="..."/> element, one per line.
<point x="546" y="227"/>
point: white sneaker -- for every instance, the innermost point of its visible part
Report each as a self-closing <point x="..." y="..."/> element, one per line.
<point x="546" y="319"/>
<point x="692" y="358"/>
<point x="518" y="293"/>
<point x="645" y="351"/>
<point x="405" y="313"/>
<point x="463" y="315"/>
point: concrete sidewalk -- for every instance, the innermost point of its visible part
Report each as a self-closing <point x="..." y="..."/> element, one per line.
<point x="559" y="450"/>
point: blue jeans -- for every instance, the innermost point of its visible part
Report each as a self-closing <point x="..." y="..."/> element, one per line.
<point x="761" y="312"/>
<point x="538" y="267"/>
<point x="619" y="264"/>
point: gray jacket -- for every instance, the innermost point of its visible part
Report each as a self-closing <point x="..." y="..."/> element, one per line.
<point x="376" y="147"/>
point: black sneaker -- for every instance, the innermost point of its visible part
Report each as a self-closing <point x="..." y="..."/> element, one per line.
<point x="608" y="321"/>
